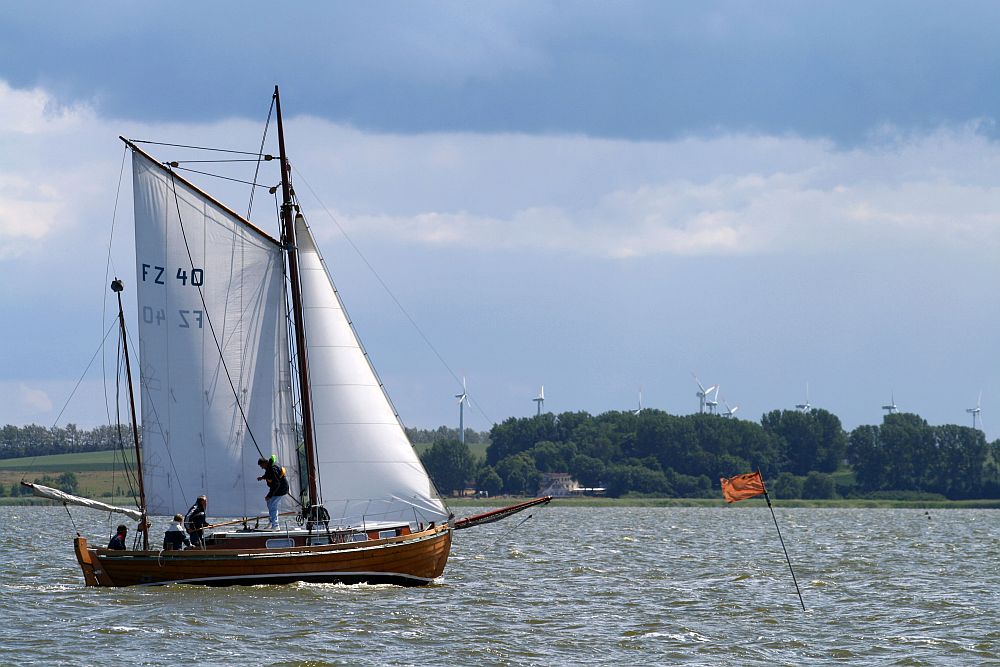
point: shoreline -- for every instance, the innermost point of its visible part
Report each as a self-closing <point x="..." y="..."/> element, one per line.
<point x="503" y="501"/>
<point x="859" y="503"/>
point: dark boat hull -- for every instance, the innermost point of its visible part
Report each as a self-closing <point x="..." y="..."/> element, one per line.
<point x="409" y="560"/>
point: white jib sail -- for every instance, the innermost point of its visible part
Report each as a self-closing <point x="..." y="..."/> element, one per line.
<point x="208" y="280"/>
<point x="368" y="470"/>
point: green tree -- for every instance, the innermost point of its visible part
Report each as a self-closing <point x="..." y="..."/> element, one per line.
<point x="67" y="482"/>
<point x="514" y="436"/>
<point x="450" y="464"/>
<point x="553" y="456"/>
<point x="868" y="457"/>
<point x="489" y="481"/>
<point x="519" y="474"/>
<point x="786" y="485"/>
<point x="632" y="478"/>
<point x="818" y="485"/>
<point x="801" y="435"/>
<point x="689" y="486"/>
<point x="587" y="470"/>
<point x="910" y="449"/>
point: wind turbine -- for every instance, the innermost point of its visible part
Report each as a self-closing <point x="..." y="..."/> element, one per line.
<point x="891" y="408"/>
<point x="730" y="411"/>
<point x="462" y="398"/>
<point x="712" y="403"/>
<point x="636" y="412"/>
<point x="540" y="400"/>
<point x="703" y="393"/>
<point x="805" y="407"/>
<point x="977" y="412"/>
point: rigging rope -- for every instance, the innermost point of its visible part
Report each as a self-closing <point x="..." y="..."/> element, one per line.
<point x="107" y="272"/>
<point x="266" y="158"/>
<point x="197" y="148"/>
<point x="507" y="534"/>
<point x="175" y="165"/>
<point x="256" y="172"/>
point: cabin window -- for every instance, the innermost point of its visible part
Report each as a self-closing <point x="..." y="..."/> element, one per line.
<point x="359" y="537"/>
<point x="280" y="543"/>
<point x="318" y="541"/>
<point x="384" y="534"/>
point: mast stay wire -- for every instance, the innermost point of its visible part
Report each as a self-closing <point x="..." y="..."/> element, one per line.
<point x="260" y="153"/>
<point x="388" y="291"/>
<point x="176" y="165"/>
<point x="197" y="148"/>
<point x="107" y="271"/>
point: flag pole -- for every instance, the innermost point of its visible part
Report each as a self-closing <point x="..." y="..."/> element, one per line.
<point x="789" y="560"/>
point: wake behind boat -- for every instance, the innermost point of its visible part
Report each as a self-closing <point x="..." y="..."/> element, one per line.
<point x="247" y="355"/>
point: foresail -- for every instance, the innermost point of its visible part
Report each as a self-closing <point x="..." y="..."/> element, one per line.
<point x="215" y="382"/>
<point x="368" y="471"/>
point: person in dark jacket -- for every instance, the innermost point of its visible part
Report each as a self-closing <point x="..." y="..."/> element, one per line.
<point x="118" y="541"/>
<point x="195" y="521"/>
<point x="277" y="486"/>
<point x="174" y="538"/>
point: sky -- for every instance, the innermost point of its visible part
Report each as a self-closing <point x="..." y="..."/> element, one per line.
<point x="796" y="201"/>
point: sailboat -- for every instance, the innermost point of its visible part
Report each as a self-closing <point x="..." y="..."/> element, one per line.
<point x="246" y="354"/>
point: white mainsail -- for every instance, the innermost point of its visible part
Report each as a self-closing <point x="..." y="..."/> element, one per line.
<point x="208" y="280"/>
<point x="367" y="468"/>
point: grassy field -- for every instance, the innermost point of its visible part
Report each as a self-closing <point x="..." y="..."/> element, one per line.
<point x="60" y="463"/>
<point x="97" y="473"/>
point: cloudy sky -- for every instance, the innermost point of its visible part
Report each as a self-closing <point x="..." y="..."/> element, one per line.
<point x="597" y="197"/>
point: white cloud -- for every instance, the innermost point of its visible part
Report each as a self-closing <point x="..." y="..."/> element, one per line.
<point x="726" y="195"/>
<point x="36" y="112"/>
<point x="36" y="400"/>
<point x="44" y="185"/>
<point x="720" y="196"/>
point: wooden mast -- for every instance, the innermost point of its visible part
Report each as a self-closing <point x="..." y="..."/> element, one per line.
<point x="117" y="286"/>
<point x="288" y="240"/>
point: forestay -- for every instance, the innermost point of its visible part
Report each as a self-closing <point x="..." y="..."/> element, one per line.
<point x="368" y="470"/>
<point x="208" y="281"/>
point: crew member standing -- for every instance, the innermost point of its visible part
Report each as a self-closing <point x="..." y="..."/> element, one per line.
<point x="277" y="486"/>
<point x="195" y="521"/>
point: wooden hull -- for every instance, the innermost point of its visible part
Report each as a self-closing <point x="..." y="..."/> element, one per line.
<point x="409" y="560"/>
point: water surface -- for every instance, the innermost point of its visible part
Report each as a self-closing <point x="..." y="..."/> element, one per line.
<point x="666" y="586"/>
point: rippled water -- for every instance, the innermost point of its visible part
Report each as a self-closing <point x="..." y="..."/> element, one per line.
<point x="668" y="586"/>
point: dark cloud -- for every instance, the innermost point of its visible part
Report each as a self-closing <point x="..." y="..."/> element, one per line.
<point x="625" y="69"/>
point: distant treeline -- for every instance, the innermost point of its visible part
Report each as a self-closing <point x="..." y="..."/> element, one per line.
<point x="444" y="433"/>
<point x="801" y="454"/>
<point x="35" y="440"/>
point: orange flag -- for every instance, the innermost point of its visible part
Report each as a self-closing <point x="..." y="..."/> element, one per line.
<point x="742" y="487"/>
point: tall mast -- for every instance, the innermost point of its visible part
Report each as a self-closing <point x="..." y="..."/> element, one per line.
<point x="117" y="286"/>
<point x="288" y="240"/>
